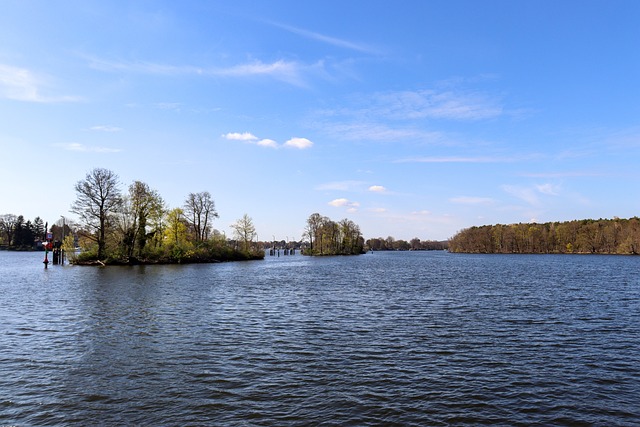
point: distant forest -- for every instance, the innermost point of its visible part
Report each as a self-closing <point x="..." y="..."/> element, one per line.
<point x="588" y="236"/>
<point x="16" y="233"/>
<point x="415" y="244"/>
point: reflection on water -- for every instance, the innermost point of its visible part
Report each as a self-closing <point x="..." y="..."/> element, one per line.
<point x="410" y="338"/>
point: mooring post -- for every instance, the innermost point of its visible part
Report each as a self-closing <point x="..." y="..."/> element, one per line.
<point x="46" y="254"/>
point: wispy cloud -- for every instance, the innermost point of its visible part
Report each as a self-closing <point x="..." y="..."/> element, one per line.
<point x="532" y="194"/>
<point x="341" y="186"/>
<point x="334" y="41"/>
<point x="550" y="189"/>
<point x="455" y="159"/>
<point x="372" y="131"/>
<point x="290" y="72"/>
<point x="451" y="105"/>
<point x="74" y="146"/>
<point x="527" y="194"/>
<point x="569" y="174"/>
<point x="21" y="84"/>
<point x="103" y="128"/>
<point x="469" y="200"/>
<point x="409" y="115"/>
<point x="378" y="210"/>
<point x="172" y="106"/>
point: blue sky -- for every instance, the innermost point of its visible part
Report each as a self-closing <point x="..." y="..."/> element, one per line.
<point x="412" y="118"/>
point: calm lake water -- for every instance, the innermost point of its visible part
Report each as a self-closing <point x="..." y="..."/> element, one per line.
<point x="389" y="338"/>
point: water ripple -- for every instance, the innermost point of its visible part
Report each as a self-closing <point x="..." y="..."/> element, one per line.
<point x="397" y="339"/>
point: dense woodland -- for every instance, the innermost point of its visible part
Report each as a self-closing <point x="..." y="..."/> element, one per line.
<point x="16" y="233"/>
<point x="601" y="236"/>
<point x="327" y="237"/>
<point x="415" y="244"/>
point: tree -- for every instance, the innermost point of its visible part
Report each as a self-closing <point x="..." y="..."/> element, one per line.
<point x="331" y="238"/>
<point x="200" y="209"/>
<point x="314" y="225"/>
<point x="23" y="235"/>
<point x="352" y="241"/>
<point x="8" y="227"/>
<point x="98" y="198"/>
<point x="38" y="228"/>
<point x="141" y="205"/>
<point x="244" y="231"/>
<point x="176" y="230"/>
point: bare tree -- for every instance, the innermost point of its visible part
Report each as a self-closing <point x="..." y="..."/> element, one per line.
<point x="8" y="227"/>
<point x="98" y="197"/>
<point x="200" y="209"/>
<point x="244" y="231"/>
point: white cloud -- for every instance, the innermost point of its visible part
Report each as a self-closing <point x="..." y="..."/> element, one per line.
<point x="21" y="84"/>
<point x="74" y="146"/>
<point x="338" y="203"/>
<point x="300" y="143"/>
<point x="236" y="136"/>
<point x="267" y="143"/>
<point x="377" y="189"/>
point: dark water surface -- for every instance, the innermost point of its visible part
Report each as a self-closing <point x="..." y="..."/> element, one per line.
<point x="413" y="338"/>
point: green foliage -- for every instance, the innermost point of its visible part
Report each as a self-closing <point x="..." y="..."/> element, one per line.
<point x="327" y="237"/>
<point x="18" y="234"/>
<point x="138" y="228"/>
<point x="602" y="236"/>
<point x="391" y="244"/>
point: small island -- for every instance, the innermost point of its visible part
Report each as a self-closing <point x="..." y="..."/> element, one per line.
<point x="137" y="227"/>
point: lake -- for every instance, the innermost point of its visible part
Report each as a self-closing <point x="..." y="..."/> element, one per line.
<point x="385" y="338"/>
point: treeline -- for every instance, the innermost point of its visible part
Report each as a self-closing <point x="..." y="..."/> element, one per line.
<point x="18" y="234"/>
<point x="136" y="226"/>
<point x="415" y="244"/>
<point x="327" y="237"/>
<point x="601" y="236"/>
